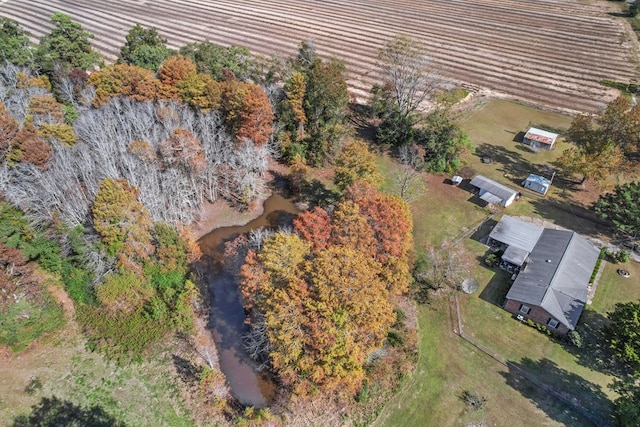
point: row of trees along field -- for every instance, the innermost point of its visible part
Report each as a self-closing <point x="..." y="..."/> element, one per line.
<point x="103" y="168"/>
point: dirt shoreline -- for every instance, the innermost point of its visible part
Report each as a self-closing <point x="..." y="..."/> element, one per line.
<point x="222" y="214"/>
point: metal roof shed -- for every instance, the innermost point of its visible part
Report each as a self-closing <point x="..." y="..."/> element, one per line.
<point x="540" y="139"/>
<point x="537" y="183"/>
<point x="492" y="192"/>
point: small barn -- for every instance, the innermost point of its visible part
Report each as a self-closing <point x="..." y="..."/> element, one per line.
<point x="537" y="183"/>
<point x="539" y="139"/>
<point x="492" y="192"/>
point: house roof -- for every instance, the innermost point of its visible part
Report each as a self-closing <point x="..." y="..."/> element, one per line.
<point x="517" y="233"/>
<point x="557" y="275"/>
<point x="542" y="136"/>
<point x="515" y="256"/>
<point x="498" y="190"/>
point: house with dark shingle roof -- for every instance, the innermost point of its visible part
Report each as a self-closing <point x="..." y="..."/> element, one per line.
<point x="552" y="280"/>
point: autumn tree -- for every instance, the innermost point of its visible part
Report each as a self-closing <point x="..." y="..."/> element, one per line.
<point x="350" y="228"/>
<point x="124" y="80"/>
<point x="602" y="143"/>
<point x="621" y="207"/>
<point x="28" y="147"/>
<point x="356" y="163"/>
<point x="291" y="110"/>
<point x="175" y="69"/>
<point x="314" y="227"/>
<point x="67" y="45"/>
<point x="350" y="315"/>
<point x="201" y="91"/>
<point x="8" y="130"/>
<point x="390" y="220"/>
<point x="123" y="223"/>
<point x="15" y="46"/>
<point x="144" y="47"/>
<point x="247" y="111"/>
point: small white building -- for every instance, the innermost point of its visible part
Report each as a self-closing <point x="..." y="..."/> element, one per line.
<point x="539" y="139"/>
<point x="492" y="192"/>
<point x="537" y="183"/>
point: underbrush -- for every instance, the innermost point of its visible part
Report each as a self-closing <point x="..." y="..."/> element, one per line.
<point x="27" y="320"/>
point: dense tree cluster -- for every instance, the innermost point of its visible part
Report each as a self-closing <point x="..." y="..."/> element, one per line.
<point x="313" y="113"/>
<point x="621" y="207"/>
<point x="321" y="297"/>
<point x="602" y="142"/>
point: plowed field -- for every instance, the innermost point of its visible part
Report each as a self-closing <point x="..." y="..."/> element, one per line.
<point x="547" y="52"/>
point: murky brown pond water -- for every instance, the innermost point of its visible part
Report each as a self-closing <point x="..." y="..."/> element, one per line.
<point x="227" y="315"/>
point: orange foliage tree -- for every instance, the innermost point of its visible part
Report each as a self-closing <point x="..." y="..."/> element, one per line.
<point x="247" y="111"/>
<point x="125" y="80"/>
<point x="323" y="296"/>
<point x="8" y="130"/>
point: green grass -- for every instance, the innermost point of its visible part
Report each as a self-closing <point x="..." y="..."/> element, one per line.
<point x="614" y="288"/>
<point x="140" y="394"/>
<point x="24" y="322"/>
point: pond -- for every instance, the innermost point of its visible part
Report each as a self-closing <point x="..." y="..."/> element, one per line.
<point x="248" y="386"/>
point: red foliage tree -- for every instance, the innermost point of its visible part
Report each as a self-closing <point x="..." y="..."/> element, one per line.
<point x="314" y="227"/>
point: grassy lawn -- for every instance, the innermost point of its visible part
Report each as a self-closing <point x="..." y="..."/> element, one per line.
<point x="448" y="365"/>
<point x="614" y="288"/>
<point x="144" y="394"/>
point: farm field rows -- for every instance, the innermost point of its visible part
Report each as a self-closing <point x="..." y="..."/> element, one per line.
<point x="552" y="53"/>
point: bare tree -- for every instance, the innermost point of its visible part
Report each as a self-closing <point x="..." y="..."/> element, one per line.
<point x="406" y="65"/>
<point x="444" y="266"/>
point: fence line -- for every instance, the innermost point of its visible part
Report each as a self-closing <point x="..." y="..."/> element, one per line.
<point x="569" y="401"/>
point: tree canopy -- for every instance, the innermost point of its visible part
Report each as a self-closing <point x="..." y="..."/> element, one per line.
<point x="621" y="207"/>
<point x="602" y="142"/>
<point x="624" y="332"/>
<point x="15" y="46"/>
<point x="322" y="295"/>
<point x="144" y="47"/>
<point x="67" y="45"/>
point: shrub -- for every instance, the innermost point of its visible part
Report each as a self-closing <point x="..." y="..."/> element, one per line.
<point x="491" y="260"/>
<point x="473" y="400"/>
<point x="575" y="338"/>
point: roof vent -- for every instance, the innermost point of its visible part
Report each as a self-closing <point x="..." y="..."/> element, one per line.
<point x="548" y="260"/>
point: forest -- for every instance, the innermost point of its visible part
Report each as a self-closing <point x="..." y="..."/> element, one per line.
<point x="105" y="167"/>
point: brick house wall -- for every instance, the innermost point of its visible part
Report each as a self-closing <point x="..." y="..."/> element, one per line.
<point x="536" y="314"/>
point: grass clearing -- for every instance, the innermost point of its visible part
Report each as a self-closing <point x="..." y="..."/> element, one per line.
<point x="144" y="394"/>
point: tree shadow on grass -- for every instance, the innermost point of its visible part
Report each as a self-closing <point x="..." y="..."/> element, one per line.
<point x="596" y="352"/>
<point x="550" y="388"/>
<point x="186" y="370"/>
<point x="512" y="163"/>
<point x="315" y="193"/>
<point x="497" y="288"/>
<point x="51" y="411"/>
<point x="570" y="216"/>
